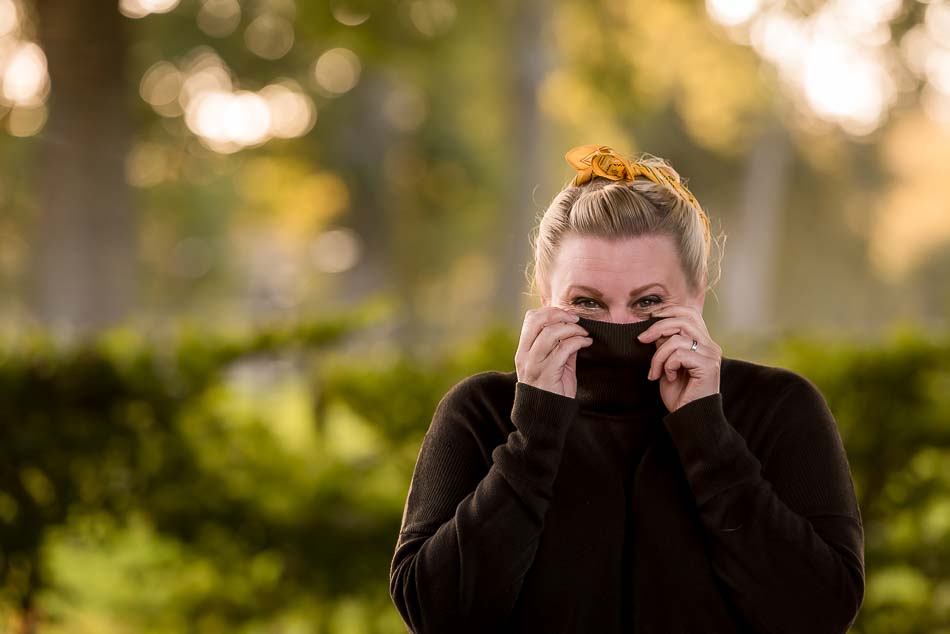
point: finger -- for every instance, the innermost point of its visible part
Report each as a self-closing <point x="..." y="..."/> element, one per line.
<point x="537" y="318"/>
<point x="562" y="352"/>
<point x="663" y="352"/>
<point x="685" y="311"/>
<point x="682" y="359"/>
<point x="669" y="327"/>
<point x="673" y="364"/>
<point x="551" y="335"/>
<point x="701" y="335"/>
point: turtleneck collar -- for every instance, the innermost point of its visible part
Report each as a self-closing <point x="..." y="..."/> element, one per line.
<point x="612" y="371"/>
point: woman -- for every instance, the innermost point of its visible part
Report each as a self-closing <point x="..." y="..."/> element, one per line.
<point x="627" y="477"/>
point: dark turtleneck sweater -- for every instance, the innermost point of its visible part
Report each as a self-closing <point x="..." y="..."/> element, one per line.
<point x="531" y="511"/>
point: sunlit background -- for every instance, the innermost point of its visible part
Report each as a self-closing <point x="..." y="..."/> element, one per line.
<point x="247" y="245"/>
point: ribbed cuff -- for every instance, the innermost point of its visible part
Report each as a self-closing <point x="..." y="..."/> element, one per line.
<point x="697" y="423"/>
<point x="539" y="411"/>
<point x="714" y="456"/>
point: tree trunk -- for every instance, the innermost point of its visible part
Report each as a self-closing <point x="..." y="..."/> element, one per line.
<point x="84" y="268"/>
<point x="749" y="268"/>
<point x="531" y="56"/>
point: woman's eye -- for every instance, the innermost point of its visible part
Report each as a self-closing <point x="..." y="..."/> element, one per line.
<point x="577" y="301"/>
<point x="652" y="299"/>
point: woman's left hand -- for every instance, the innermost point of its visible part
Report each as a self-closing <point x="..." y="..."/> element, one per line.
<point x="685" y="375"/>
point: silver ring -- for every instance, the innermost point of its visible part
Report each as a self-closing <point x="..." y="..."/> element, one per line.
<point x="695" y="344"/>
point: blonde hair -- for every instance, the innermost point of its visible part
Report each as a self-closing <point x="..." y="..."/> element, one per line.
<point x="616" y="209"/>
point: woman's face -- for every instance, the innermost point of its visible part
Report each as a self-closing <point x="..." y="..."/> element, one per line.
<point x="618" y="280"/>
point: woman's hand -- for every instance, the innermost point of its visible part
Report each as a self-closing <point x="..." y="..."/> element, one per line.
<point x="547" y="352"/>
<point x="685" y="375"/>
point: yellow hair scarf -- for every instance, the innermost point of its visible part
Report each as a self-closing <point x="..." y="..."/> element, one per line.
<point x="602" y="160"/>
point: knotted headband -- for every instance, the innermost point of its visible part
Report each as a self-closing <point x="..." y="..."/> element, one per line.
<point x="602" y="160"/>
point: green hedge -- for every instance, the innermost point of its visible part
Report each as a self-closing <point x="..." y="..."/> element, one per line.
<point x="218" y="483"/>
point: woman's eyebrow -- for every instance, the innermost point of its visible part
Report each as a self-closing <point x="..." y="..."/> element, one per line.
<point x="597" y="293"/>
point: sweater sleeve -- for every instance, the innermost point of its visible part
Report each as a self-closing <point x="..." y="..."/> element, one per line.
<point x="469" y="530"/>
<point x="786" y="540"/>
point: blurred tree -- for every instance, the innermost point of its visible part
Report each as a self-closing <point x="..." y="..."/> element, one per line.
<point x="84" y="272"/>
<point x="751" y="268"/>
<point x="532" y="51"/>
<point x="424" y="107"/>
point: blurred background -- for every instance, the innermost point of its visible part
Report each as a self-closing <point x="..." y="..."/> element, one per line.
<point x="247" y="245"/>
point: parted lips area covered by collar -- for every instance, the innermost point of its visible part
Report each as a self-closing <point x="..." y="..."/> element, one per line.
<point x="612" y="371"/>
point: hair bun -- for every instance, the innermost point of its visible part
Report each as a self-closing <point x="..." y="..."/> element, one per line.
<point x="593" y="160"/>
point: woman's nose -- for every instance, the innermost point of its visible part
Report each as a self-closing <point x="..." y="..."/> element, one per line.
<point x="624" y="316"/>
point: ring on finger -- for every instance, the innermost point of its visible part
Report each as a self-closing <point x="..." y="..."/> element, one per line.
<point x="695" y="343"/>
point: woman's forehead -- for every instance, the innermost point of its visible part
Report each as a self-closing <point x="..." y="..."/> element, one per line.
<point x="649" y="256"/>
<point x="646" y="246"/>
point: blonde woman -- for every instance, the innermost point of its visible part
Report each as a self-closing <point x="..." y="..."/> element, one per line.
<point x="627" y="477"/>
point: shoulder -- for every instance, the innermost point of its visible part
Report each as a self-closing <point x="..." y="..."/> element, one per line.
<point x="788" y="424"/>
<point x="741" y="379"/>
<point x="757" y="395"/>
<point x="478" y="405"/>
<point x="487" y="389"/>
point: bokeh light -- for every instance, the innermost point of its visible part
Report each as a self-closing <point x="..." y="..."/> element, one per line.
<point x="840" y="59"/>
<point x="204" y="72"/>
<point x="432" y="17"/>
<point x="26" y="121"/>
<point x="732" y="12"/>
<point x="229" y="121"/>
<point x="336" y="250"/>
<point x="25" y="78"/>
<point x="347" y="13"/>
<point x="937" y="22"/>
<point x="141" y="8"/>
<point x="292" y="112"/>
<point x="225" y="118"/>
<point x="219" y="18"/>
<point x="146" y="165"/>
<point x="269" y="36"/>
<point x="337" y="71"/>
<point x="161" y="86"/>
<point x="9" y="17"/>
<point x="845" y="84"/>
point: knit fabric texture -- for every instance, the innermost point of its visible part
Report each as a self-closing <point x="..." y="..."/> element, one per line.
<point x="531" y="511"/>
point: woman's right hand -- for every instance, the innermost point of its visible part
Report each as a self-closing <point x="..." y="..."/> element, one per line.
<point x="547" y="352"/>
